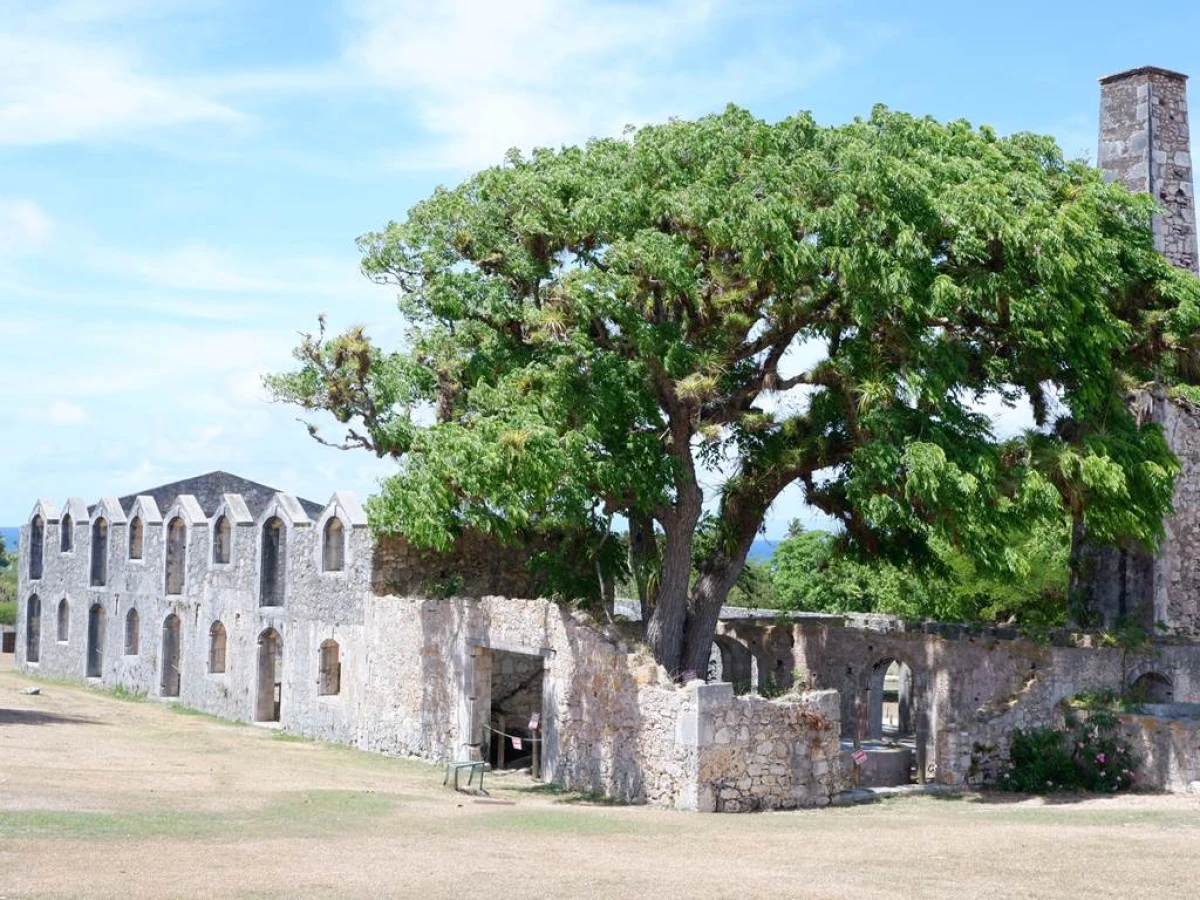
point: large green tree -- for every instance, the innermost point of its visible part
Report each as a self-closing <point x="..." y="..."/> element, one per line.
<point x="601" y="331"/>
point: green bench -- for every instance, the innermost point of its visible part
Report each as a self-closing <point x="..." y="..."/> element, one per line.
<point x="471" y="765"/>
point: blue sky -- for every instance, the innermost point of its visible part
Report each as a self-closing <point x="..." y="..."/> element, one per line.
<point x="181" y="181"/>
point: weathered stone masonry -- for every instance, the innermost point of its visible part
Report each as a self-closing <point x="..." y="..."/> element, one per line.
<point x="1144" y="144"/>
<point x="258" y="606"/>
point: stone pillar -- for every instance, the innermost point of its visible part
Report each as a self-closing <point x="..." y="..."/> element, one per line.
<point x="1144" y="144"/>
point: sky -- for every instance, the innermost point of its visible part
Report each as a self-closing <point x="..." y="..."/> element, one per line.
<point x="182" y="181"/>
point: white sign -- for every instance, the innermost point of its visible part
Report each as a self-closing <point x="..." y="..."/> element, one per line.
<point x="517" y="743"/>
<point x="534" y="720"/>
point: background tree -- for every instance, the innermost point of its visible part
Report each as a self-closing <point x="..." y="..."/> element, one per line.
<point x="810" y="572"/>
<point x="8" y="585"/>
<point x="595" y="329"/>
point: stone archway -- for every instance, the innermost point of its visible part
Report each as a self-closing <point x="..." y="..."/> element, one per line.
<point x="889" y="701"/>
<point x="730" y="660"/>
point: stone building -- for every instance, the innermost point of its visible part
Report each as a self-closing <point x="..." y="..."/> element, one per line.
<point x="255" y="605"/>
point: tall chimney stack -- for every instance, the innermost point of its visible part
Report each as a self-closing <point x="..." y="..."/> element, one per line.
<point x="1144" y="145"/>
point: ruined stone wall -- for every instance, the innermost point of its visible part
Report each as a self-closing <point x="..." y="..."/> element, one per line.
<point x="766" y="754"/>
<point x="1168" y="749"/>
<point x="1132" y="584"/>
<point x="477" y="566"/>
<point x="613" y="723"/>
<point x="973" y="687"/>
<point x="416" y="674"/>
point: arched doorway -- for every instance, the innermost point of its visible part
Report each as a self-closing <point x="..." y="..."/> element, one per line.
<point x="169" y="682"/>
<point x="33" y="629"/>
<point x="889" y="710"/>
<point x="270" y="676"/>
<point x="95" y="641"/>
<point x="730" y="660"/>
<point x="1152" y="687"/>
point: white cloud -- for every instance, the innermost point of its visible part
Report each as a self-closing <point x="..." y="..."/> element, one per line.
<point x="60" y="85"/>
<point x="24" y="226"/>
<point x="57" y="412"/>
<point x="481" y="77"/>
<point x="200" y="267"/>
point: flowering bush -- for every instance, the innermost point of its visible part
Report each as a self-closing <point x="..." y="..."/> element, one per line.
<point x="1084" y="755"/>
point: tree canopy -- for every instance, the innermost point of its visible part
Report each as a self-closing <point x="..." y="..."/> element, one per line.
<point x="611" y="330"/>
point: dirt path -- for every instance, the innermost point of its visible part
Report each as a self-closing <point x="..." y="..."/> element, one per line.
<point x="109" y="798"/>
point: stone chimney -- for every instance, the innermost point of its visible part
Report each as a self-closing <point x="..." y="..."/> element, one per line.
<point x="1144" y="145"/>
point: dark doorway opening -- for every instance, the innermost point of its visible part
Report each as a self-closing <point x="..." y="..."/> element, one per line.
<point x="169" y="682"/>
<point x="95" y="641"/>
<point x="512" y="708"/>
<point x="270" y="677"/>
<point x="1152" y="687"/>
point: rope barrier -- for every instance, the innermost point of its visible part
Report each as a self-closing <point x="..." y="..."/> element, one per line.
<point x="511" y="736"/>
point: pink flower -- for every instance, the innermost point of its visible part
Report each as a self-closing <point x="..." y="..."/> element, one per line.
<point x="1100" y="758"/>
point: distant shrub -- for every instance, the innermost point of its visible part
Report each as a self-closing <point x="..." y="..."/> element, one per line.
<point x="8" y="613"/>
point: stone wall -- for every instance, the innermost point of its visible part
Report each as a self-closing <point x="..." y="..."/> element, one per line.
<point x="476" y="566"/>
<point x="766" y="754"/>
<point x="1168" y="749"/>
<point x="971" y="687"/>
<point x="1131" y="584"/>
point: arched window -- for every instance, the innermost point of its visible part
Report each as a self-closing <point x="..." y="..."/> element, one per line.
<point x="66" y="539"/>
<point x="216" y="649"/>
<point x="222" y="540"/>
<point x="37" y="543"/>
<point x="64" y="620"/>
<point x="333" y="547"/>
<point x="132" y="632"/>
<point x="274" y="563"/>
<point x="331" y="669"/>
<point x="33" y="629"/>
<point x="99" y="553"/>
<point x="176" y="553"/>
<point x="135" y="538"/>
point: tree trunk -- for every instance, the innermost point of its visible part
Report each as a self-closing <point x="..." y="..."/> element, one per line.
<point x="665" y="630"/>
<point x="743" y="506"/>
<point x="704" y="606"/>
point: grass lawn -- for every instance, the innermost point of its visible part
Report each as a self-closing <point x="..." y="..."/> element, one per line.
<point x="102" y="796"/>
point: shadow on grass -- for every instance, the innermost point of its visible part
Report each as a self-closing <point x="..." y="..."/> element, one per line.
<point x="37" y="717"/>
<point x="1010" y="798"/>
<point x="561" y="795"/>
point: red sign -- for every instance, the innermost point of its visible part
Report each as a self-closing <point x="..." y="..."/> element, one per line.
<point x="860" y="757"/>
